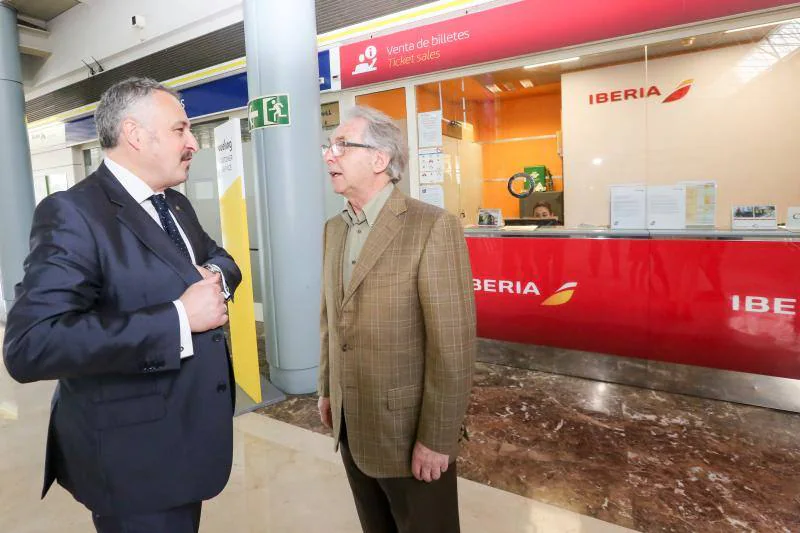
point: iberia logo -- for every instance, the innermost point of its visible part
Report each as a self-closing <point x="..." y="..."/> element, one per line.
<point x="562" y="295"/>
<point x="504" y="286"/>
<point x="641" y="93"/>
<point x="682" y="90"/>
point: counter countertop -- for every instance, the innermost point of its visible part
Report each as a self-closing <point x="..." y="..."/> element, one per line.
<point x="606" y="233"/>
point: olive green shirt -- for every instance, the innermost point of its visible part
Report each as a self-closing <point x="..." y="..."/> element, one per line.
<point x="358" y="228"/>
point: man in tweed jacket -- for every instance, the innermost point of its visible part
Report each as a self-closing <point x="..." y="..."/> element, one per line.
<point x="398" y="334"/>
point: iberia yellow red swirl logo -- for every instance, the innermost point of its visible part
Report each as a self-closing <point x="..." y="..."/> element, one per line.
<point x="562" y="295"/>
<point x="682" y="90"/>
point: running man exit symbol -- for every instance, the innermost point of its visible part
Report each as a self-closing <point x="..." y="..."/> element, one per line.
<point x="269" y="111"/>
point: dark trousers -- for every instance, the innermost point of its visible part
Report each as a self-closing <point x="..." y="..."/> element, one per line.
<point x="183" y="519"/>
<point x="402" y="505"/>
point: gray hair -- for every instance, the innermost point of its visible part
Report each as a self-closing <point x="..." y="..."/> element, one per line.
<point x="382" y="133"/>
<point x="117" y="102"/>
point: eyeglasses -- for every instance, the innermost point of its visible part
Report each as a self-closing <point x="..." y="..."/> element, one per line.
<point x="338" y="148"/>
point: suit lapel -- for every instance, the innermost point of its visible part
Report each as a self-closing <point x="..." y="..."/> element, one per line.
<point x="380" y="237"/>
<point x="145" y="228"/>
<point x="338" y="236"/>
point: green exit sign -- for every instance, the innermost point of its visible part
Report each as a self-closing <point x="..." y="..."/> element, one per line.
<point x="266" y="111"/>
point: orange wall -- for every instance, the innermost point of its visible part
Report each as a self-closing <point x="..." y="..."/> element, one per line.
<point x="392" y="102"/>
<point x="493" y="120"/>
<point x="508" y="119"/>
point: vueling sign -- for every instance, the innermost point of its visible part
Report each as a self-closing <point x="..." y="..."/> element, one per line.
<point x="640" y="93"/>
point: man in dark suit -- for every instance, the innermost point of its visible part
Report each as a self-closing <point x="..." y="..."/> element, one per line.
<point x="123" y="302"/>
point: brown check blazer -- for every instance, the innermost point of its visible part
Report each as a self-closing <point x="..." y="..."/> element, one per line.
<point x="398" y="344"/>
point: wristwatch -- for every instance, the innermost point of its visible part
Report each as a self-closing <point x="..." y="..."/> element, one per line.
<point x="215" y="269"/>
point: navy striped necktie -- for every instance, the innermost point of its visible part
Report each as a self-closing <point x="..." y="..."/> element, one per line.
<point x="168" y="223"/>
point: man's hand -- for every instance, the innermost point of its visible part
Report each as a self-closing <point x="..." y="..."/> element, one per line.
<point x="428" y="465"/>
<point x="205" y="305"/>
<point x="325" y="415"/>
<point x="207" y="274"/>
<point x="204" y="272"/>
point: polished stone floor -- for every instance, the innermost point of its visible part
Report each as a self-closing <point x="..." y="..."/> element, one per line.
<point x="646" y="460"/>
<point x="285" y="479"/>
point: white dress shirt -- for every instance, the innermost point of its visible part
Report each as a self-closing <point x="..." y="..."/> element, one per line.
<point x="141" y="193"/>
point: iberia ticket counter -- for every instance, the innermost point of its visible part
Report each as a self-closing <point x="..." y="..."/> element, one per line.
<point x="557" y="300"/>
<point x="628" y="188"/>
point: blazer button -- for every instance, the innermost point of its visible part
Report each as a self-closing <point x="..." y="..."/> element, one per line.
<point x="222" y="386"/>
<point x="345" y="347"/>
<point x="217" y="337"/>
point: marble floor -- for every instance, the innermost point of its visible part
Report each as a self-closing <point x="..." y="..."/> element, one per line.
<point x="285" y="479"/>
<point x="646" y="460"/>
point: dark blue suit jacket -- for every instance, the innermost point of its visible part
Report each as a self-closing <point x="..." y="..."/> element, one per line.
<point x="133" y="428"/>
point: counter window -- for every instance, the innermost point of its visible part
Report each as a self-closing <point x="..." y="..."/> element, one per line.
<point x="691" y="133"/>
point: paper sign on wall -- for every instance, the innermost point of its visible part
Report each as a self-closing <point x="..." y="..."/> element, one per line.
<point x="432" y="194"/>
<point x="430" y="128"/>
<point x="431" y="166"/>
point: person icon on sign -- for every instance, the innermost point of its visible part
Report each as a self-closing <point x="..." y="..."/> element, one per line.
<point x="277" y="109"/>
<point x="367" y="61"/>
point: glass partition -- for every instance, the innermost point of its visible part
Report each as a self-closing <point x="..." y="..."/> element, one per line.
<point x="697" y="132"/>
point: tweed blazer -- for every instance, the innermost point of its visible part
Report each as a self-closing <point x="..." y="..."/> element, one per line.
<point x="398" y="344"/>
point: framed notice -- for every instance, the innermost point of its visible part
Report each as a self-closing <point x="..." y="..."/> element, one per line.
<point x="754" y="217"/>
<point x="666" y="207"/>
<point x="490" y="218"/>
<point x="793" y="219"/>
<point x="628" y="206"/>
<point x="701" y="203"/>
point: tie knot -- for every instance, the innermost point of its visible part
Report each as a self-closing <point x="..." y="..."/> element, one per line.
<point x="159" y="201"/>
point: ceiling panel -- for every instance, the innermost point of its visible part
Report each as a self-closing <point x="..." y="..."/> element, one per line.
<point x="45" y="10"/>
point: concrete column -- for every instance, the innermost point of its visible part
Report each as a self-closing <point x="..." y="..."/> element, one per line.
<point x="281" y="41"/>
<point x="16" y="178"/>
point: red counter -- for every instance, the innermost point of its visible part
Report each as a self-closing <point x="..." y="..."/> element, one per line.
<point x="718" y="303"/>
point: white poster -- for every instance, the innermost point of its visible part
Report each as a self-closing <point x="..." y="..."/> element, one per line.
<point x="628" y="206"/>
<point x="432" y="194"/>
<point x="429" y="129"/>
<point x="230" y="163"/>
<point x="666" y="207"/>
<point x="431" y="166"/>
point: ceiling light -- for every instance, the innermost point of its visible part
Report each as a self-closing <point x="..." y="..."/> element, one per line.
<point x="526" y="83"/>
<point x="761" y="25"/>
<point x="537" y="65"/>
<point x="494" y="88"/>
<point x="509" y="86"/>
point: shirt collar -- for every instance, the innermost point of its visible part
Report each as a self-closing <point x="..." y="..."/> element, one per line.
<point x="132" y="183"/>
<point x="371" y="209"/>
